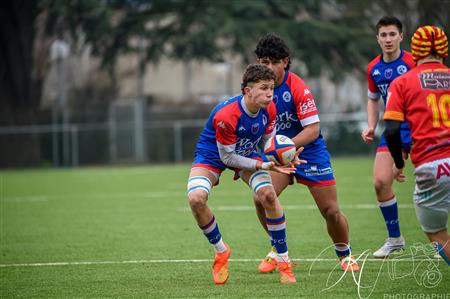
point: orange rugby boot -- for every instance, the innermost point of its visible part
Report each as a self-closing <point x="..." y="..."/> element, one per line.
<point x="287" y="275"/>
<point x="267" y="265"/>
<point x="349" y="263"/>
<point x="220" y="266"/>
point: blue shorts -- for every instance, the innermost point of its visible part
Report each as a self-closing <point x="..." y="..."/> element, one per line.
<point x="318" y="171"/>
<point x="212" y="161"/>
<point x="405" y="134"/>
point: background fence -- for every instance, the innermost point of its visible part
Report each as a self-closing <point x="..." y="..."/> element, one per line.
<point x="119" y="142"/>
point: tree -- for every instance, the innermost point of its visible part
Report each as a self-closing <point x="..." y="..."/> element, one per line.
<point x="27" y="30"/>
<point x="335" y="36"/>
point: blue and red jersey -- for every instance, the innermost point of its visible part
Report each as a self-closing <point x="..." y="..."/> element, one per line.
<point x="230" y="124"/>
<point x="380" y="74"/>
<point x="296" y="108"/>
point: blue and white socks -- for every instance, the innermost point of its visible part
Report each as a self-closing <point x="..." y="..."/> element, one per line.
<point x="342" y="250"/>
<point x="389" y="209"/>
<point x="212" y="233"/>
<point x="277" y="230"/>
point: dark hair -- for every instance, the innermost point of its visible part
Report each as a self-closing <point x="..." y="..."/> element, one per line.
<point x="273" y="47"/>
<point x="389" y="20"/>
<point x="255" y="73"/>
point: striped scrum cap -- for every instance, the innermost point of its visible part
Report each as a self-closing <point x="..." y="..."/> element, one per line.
<point x="427" y="40"/>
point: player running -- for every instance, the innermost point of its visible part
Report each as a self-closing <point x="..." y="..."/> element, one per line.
<point x="381" y="71"/>
<point x="234" y="129"/>
<point x="422" y="99"/>
<point x="297" y="118"/>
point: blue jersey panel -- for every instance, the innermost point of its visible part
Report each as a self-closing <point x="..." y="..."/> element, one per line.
<point x="289" y="125"/>
<point x="247" y="134"/>
<point x="383" y="73"/>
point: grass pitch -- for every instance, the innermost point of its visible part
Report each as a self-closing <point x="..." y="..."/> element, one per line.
<point x="127" y="232"/>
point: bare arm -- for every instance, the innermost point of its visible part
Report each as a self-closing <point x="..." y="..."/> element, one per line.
<point x="373" y="108"/>
<point x="307" y="135"/>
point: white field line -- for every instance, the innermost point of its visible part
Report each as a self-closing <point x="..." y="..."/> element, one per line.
<point x="149" y="195"/>
<point x="127" y="195"/>
<point x="175" y="261"/>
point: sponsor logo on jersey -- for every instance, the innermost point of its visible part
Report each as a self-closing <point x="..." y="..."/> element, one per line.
<point x="286" y="116"/>
<point x="241" y="129"/>
<point x="271" y="126"/>
<point x="443" y="170"/>
<point x="308" y="107"/>
<point x="221" y="124"/>
<point x="245" y="146"/>
<point x="435" y="80"/>
<point x="286" y="96"/>
<point x="306" y="92"/>
<point x="255" y="128"/>
<point x="315" y="171"/>
<point x="376" y="72"/>
<point x="285" y="120"/>
<point x="383" y="88"/>
<point x="388" y="73"/>
<point x="401" y="69"/>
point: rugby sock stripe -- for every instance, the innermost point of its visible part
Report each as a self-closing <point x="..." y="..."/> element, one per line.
<point x="342" y="250"/>
<point x="212" y="232"/>
<point x="277" y="229"/>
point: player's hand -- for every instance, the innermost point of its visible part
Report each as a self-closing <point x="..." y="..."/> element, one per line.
<point x="399" y="176"/>
<point x="286" y="169"/>
<point x="297" y="160"/>
<point x="367" y="135"/>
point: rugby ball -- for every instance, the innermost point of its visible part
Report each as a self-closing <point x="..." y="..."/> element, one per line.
<point x="280" y="149"/>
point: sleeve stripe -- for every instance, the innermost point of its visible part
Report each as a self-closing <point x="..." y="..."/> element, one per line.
<point x="310" y="120"/>
<point x="394" y="115"/>
<point x="373" y="95"/>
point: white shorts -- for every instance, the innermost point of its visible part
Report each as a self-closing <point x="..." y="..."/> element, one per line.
<point x="432" y="195"/>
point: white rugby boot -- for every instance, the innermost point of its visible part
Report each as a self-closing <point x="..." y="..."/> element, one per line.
<point x="389" y="246"/>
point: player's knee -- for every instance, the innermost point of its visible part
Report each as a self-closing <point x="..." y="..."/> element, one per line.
<point x="267" y="197"/>
<point x="381" y="185"/>
<point x="256" y="199"/>
<point x="261" y="184"/>
<point x="197" y="199"/>
<point x="331" y="214"/>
